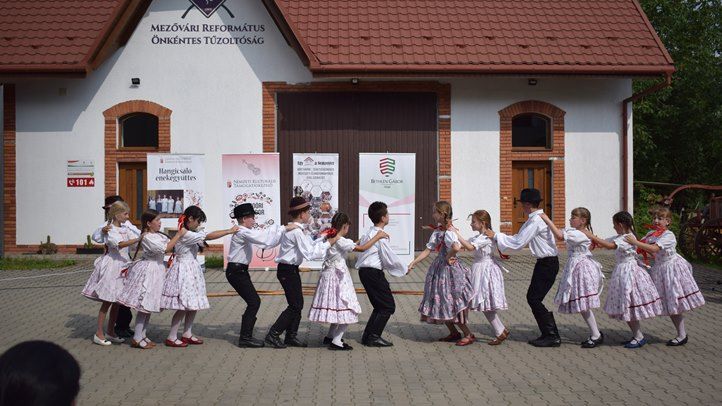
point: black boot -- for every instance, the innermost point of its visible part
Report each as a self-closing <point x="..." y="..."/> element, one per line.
<point x="550" y="335"/>
<point x="250" y="342"/>
<point x="292" y="341"/>
<point x="375" y="341"/>
<point x="291" y="333"/>
<point x="540" y="323"/>
<point x="380" y="324"/>
<point x="246" y="340"/>
<point x="273" y="338"/>
<point x="369" y="327"/>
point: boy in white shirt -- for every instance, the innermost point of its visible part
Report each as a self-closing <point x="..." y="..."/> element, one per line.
<point x="239" y="257"/>
<point x="370" y="265"/>
<point x="536" y="234"/>
<point x="296" y="247"/>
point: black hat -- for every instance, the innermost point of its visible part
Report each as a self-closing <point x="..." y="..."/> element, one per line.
<point x="530" y="196"/>
<point x="243" y="210"/>
<point x="110" y="200"/>
<point x="297" y="203"/>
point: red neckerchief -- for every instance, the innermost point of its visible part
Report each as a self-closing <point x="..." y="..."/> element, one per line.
<point x="437" y="227"/>
<point x="658" y="230"/>
<point x="328" y="233"/>
<point x="181" y="220"/>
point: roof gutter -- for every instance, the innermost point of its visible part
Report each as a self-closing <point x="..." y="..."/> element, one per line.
<point x="625" y="133"/>
<point x="44" y="71"/>
<point x="451" y="69"/>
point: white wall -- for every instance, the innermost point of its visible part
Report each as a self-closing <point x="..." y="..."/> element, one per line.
<point x="592" y="144"/>
<point x="214" y="92"/>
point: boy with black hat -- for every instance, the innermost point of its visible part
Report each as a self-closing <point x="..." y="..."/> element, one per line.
<point x="536" y="234"/>
<point x="295" y="248"/>
<point x="240" y="254"/>
<point x="122" y="322"/>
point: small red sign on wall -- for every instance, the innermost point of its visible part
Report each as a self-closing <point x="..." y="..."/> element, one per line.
<point x="81" y="182"/>
<point x="81" y="173"/>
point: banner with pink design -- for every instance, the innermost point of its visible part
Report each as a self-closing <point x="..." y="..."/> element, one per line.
<point x="255" y="179"/>
<point x="390" y="178"/>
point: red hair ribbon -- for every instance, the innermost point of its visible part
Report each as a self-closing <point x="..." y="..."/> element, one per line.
<point x="329" y="232"/>
<point x="181" y="220"/>
<point x="658" y="230"/>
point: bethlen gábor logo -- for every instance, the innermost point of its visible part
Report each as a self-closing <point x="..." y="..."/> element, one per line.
<point x="208" y="7"/>
<point x="387" y="166"/>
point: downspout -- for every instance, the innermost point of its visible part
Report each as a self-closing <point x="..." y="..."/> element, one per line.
<point x="625" y="133"/>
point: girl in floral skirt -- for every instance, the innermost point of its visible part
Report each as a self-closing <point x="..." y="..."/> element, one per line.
<point x="335" y="301"/>
<point x="672" y="274"/>
<point x="447" y="290"/>
<point x="487" y="275"/>
<point x="632" y="295"/>
<point x="582" y="279"/>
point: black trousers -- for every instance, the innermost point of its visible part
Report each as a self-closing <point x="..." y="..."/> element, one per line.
<point x="290" y="318"/>
<point x="545" y="272"/>
<point x="379" y="293"/>
<point x="238" y="276"/>
<point x="122" y="322"/>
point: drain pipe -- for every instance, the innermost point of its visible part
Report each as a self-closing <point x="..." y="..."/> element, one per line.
<point x="625" y="134"/>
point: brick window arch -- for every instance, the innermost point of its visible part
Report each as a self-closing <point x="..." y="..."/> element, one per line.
<point x="554" y="154"/>
<point x="114" y="153"/>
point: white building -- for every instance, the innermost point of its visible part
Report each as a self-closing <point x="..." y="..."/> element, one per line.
<point x="492" y="100"/>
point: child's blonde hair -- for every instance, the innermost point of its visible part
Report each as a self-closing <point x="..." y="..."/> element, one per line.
<point x="444" y="208"/>
<point x="117" y="208"/>
<point x="583" y="212"/>
<point x="662" y="212"/>
<point x="482" y="216"/>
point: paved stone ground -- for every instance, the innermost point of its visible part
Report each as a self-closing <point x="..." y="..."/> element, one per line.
<point x="417" y="370"/>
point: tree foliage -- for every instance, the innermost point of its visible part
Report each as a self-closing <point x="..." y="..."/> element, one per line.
<point x="678" y="131"/>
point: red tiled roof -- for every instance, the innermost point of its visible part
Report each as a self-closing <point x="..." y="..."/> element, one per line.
<point x="417" y="36"/>
<point x="58" y="36"/>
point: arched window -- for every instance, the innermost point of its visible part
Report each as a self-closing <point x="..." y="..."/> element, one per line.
<point x="531" y="131"/>
<point x="138" y="130"/>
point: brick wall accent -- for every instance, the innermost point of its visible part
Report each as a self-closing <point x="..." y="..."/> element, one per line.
<point x="507" y="156"/>
<point x="113" y="154"/>
<point x="442" y="90"/>
<point x="9" y="209"/>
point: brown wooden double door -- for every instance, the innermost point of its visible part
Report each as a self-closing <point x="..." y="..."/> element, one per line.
<point x="536" y="175"/>
<point x="133" y="187"/>
<point x="349" y="123"/>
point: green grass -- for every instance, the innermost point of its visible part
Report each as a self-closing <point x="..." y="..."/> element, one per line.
<point x="712" y="265"/>
<point x="33" y="263"/>
<point x="214" y="262"/>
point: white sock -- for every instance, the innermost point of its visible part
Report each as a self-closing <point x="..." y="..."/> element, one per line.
<point x="140" y="321"/>
<point x="636" y="329"/>
<point x="331" y="331"/>
<point x="588" y="316"/>
<point x="145" y="326"/>
<point x="678" y="320"/>
<point x="338" y="334"/>
<point x="495" y="322"/>
<point x="190" y="315"/>
<point x="175" y="325"/>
